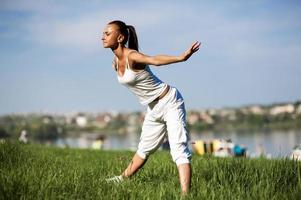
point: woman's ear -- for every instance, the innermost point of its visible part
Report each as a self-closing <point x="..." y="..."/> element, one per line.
<point x="120" y="38"/>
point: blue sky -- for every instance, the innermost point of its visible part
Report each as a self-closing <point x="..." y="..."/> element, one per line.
<point x="51" y="58"/>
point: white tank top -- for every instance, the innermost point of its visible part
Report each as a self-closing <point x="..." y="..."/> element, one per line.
<point x="144" y="84"/>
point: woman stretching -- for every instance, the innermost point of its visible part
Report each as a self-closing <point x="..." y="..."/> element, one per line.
<point x="165" y="112"/>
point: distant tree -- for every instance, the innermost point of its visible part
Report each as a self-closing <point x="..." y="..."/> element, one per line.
<point x="46" y="132"/>
<point x="3" y="133"/>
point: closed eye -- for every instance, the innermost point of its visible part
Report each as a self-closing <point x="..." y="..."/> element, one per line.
<point x="107" y="33"/>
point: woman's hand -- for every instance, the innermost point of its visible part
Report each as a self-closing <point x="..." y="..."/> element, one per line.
<point x="194" y="48"/>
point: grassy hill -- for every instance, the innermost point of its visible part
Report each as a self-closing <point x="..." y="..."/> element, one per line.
<point x="38" y="172"/>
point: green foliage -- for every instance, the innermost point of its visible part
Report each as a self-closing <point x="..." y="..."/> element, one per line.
<point x="46" y="132"/>
<point x="37" y="172"/>
<point x="36" y="126"/>
<point x="117" y="125"/>
<point x="247" y="122"/>
<point x="3" y="133"/>
<point x="201" y="125"/>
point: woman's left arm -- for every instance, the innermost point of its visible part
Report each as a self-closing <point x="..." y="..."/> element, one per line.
<point x="164" y="59"/>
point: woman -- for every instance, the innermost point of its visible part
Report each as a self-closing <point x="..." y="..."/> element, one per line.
<point x="165" y="112"/>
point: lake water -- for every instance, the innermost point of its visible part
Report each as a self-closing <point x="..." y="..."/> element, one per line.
<point x="272" y="143"/>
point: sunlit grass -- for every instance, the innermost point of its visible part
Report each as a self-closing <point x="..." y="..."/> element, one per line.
<point x="37" y="172"/>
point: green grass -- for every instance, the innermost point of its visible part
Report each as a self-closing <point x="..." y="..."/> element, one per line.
<point x="37" y="172"/>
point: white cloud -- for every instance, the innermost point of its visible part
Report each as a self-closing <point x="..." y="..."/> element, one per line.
<point x="83" y="30"/>
<point x="247" y="40"/>
<point x="230" y="37"/>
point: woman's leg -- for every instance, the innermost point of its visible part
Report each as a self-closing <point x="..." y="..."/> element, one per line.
<point x="153" y="132"/>
<point x="178" y="138"/>
<point x="136" y="163"/>
<point x="185" y="176"/>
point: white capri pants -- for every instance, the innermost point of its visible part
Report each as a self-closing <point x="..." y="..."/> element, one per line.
<point x="166" y="116"/>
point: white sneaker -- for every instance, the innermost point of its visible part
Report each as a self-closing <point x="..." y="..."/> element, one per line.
<point x="115" y="179"/>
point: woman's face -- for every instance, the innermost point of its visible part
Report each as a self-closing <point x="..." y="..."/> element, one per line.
<point x="110" y="36"/>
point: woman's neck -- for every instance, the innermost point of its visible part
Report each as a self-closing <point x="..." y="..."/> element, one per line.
<point x="119" y="52"/>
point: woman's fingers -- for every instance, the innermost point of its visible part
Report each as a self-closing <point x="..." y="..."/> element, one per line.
<point x="195" y="46"/>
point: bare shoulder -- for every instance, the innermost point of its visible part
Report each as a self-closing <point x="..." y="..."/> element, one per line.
<point x="137" y="57"/>
<point x="135" y="60"/>
<point x="133" y="54"/>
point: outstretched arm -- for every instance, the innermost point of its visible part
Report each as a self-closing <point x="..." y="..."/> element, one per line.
<point x="158" y="60"/>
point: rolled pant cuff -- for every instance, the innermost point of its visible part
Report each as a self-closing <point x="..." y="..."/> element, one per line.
<point x="141" y="154"/>
<point x="182" y="160"/>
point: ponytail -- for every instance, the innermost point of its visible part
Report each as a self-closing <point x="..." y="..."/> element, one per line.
<point x="129" y="33"/>
<point x="133" y="39"/>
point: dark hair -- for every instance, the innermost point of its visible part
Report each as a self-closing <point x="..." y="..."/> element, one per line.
<point x="129" y="34"/>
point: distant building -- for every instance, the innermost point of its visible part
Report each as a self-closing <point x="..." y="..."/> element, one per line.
<point x="298" y="109"/>
<point x="102" y="120"/>
<point x="256" y="110"/>
<point x="206" y="118"/>
<point x="289" y="108"/>
<point x="227" y="112"/>
<point x="81" y="121"/>
<point x="193" y="117"/>
<point x="212" y="112"/>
